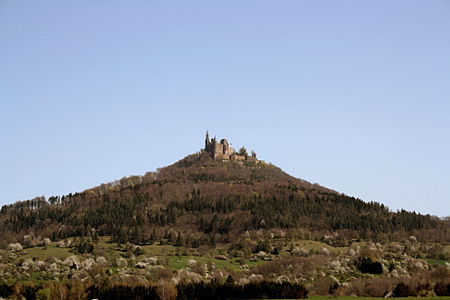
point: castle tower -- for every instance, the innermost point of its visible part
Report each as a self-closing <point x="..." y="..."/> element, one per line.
<point x="207" y="142"/>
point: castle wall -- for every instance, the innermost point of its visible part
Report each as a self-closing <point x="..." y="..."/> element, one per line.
<point x="223" y="150"/>
<point x="251" y="159"/>
<point x="237" y="157"/>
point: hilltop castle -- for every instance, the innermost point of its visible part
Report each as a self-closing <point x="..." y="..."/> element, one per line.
<point x="222" y="150"/>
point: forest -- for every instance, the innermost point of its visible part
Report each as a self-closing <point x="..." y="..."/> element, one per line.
<point x="208" y="201"/>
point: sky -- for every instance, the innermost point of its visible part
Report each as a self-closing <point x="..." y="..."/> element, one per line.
<point x="353" y="95"/>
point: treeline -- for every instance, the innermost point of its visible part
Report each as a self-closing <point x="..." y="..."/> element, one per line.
<point x="229" y="290"/>
<point x="188" y="291"/>
<point x="193" y="291"/>
<point x="421" y="290"/>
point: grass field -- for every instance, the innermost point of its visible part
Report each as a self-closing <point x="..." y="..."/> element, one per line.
<point x="371" y="298"/>
<point x="437" y="261"/>
<point x="44" y="253"/>
<point x="175" y="260"/>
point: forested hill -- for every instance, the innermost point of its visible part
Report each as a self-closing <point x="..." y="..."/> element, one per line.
<point x="199" y="200"/>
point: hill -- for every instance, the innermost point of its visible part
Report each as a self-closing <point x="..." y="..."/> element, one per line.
<point x="203" y="200"/>
<point x="218" y="224"/>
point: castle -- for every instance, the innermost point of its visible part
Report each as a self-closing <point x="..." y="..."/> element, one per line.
<point x="223" y="151"/>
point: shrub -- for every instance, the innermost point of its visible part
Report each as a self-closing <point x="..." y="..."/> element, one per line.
<point x="43" y="294"/>
<point x="375" y="287"/>
<point x="442" y="289"/>
<point x="402" y="290"/>
<point x="6" y="290"/>
<point x="369" y="266"/>
<point x="83" y="245"/>
<point x="138" y="251"/>
<point x="440" y="273"/>
<point x="29" y="291"/>
<point x="423" y="290"/>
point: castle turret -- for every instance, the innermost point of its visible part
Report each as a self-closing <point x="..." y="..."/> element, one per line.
<point x="207" y="142"/>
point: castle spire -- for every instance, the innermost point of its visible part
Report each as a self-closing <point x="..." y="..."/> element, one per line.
<point x="207" y="139"/>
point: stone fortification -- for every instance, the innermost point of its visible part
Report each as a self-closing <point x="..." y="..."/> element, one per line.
<point x="222" y="150"/>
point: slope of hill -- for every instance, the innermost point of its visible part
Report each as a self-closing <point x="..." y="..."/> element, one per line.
<point x="205" y="228"/>
<point x="199" y="200"/>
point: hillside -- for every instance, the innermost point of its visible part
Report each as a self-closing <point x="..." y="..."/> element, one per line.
<point x="200" y="200"/>
<point x="209" y="227"/>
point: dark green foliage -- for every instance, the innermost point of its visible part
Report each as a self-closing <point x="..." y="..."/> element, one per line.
<point x="333" y="288"/>
<point x="29" y="291"/>
<point x="230" y="279"/>
<point x="402" y="290"/>
<point x="138" y="251"/>
<point x="83" y="245"/>
<point x="369" y="266"/>
<point x="422" y="287"/>
<point x="263" y="245"/>
<point x="442" y="289"/>
<point x="227" y="290"/>
<point x="6" y="290"/>
<point x="123" y="292"/>
<point x="243" y="151"/>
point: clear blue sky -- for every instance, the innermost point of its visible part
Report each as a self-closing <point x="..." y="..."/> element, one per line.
<point x="353" y="95"/>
